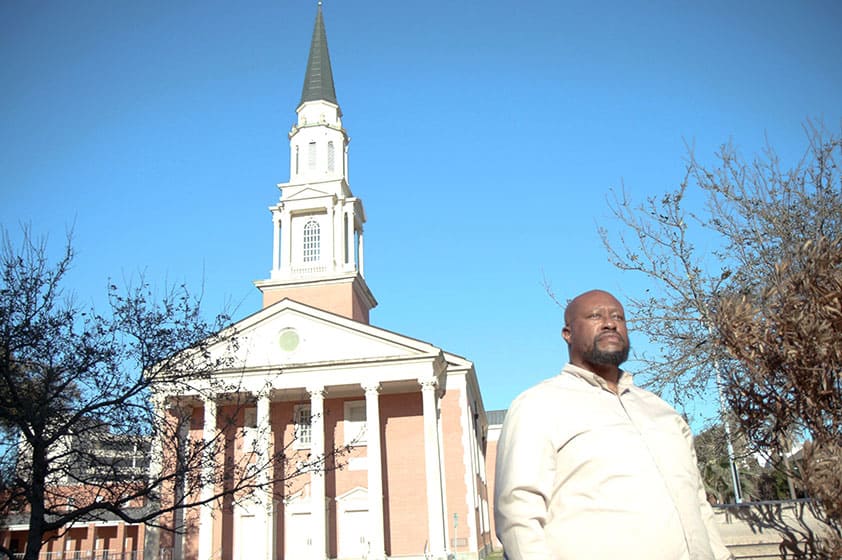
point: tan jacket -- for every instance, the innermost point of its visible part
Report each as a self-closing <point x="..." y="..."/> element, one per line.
<point x="585" y="474"/>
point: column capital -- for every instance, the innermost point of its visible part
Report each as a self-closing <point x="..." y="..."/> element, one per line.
<point x="371" y="386"/>
<point x="182" y="411"/>
<point x="428" y="383"/>
<point x="316" y="391"/>
<point x="210" y="411"/>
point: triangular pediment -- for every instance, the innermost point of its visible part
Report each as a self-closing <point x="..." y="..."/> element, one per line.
<point x="458" y="361"/>
<point x="314" y="189"/>
<point x="356" y="494"/>
<point x="303" y="193"/>
<point x="289" y="334"/>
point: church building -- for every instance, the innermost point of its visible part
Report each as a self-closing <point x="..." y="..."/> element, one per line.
<point x="413" y="483"/>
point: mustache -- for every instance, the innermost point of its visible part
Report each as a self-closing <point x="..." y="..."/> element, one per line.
<point x="612" y="334"/>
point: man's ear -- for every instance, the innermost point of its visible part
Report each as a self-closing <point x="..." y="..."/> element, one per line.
<point x="565" y="334"/>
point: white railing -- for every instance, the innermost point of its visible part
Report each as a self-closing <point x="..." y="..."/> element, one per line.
<point x="302" y="270"/>
<point x="87" y="555"/>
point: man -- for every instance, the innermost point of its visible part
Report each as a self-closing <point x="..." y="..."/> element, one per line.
<point x="590" y="467"/>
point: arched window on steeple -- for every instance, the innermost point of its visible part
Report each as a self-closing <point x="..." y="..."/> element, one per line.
<point x="311" y="240"/>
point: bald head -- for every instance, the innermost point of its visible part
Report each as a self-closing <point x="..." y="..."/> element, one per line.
<point x="595" y="332"/>
<point x="584" y="299"/>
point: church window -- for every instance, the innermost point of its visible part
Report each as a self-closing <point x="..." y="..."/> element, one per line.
<point x="355" y="423"/>
<point x="345" y="237"/>
<point x="250" y="417"/>
<point x="250" y="428"/>
<point x="357" y="248"/>
<point x="331" y="165"/>
<point x="311" y="241"/>
<point x="296" y="159"/>
<point x="303" y="426"/>
<point x="311" y="155"/>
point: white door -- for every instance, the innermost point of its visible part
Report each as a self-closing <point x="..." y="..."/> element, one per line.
<point x="353" y="536"/>
<point x="298" y="537"/>
<point x="250" y="539"/>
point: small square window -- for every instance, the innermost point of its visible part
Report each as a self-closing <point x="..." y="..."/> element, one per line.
<point x="303" y="426"/>
<point x="355" y="423"/>
<point x="250" y="417"/>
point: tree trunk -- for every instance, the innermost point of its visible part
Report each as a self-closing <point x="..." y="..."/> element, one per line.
<point x="37" y="516"/>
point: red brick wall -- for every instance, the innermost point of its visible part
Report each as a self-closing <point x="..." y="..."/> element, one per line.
<point x="405" y="484"/>
<point x="336" y="298"/>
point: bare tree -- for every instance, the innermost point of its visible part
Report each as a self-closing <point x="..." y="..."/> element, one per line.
<point x="86" y="399"/>
<point x="743" y="216"/>
<point x="744" y="300"/>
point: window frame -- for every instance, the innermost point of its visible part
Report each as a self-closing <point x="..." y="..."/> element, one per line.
<point x="302" y="431"/>
<point x="311" y="234"/>
<point x="355" y="431"/>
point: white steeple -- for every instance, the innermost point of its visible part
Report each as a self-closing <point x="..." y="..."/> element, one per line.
<point x="318" y="250"/>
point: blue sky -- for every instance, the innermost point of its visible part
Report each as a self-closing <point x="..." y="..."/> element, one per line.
<point x="485" y="137"/>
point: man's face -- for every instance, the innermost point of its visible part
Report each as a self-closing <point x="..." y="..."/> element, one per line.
<point x="596" y="330"/>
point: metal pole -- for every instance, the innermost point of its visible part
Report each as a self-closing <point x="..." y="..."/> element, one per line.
<point x="735" y="475"/>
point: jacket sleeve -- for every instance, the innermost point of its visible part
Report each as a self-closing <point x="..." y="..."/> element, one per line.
<point x="720" y="551"/>
<point x="524" y="476"/>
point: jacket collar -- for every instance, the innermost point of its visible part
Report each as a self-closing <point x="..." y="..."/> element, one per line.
<point x="625" y="382"/>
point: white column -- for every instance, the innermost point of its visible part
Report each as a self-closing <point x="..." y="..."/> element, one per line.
<point x="345" y="161"/>
<point x="156" y="449"/>
<point x="331" y="219"/>
<point x="264" y="550"/>
<point x="317" y="476"/>
<point x="432" y="463"/>
<point x="276" y="243"/>
<point x="184" y="414"/>
<point x="152" y="536"/>
<point x="286" y="241"/>
<point x="377" y="547"/>
<point x="209" y="474"/>
<point x="349" y="236"/>
<point x="338" y="237"/>
<point x="362" y="255"/>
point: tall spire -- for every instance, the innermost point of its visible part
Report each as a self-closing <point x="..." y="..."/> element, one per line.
<point x="318" y="253"/>
<point x="318" y="81"/>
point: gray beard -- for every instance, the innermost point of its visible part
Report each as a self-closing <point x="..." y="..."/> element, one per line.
<point x="614" y="358"/>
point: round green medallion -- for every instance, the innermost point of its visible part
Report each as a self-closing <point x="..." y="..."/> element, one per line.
<point x="288" y="340"/>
